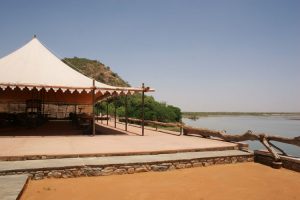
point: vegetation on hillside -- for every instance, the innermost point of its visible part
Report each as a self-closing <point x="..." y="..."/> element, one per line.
<point x="96" y="70"/>
<point x="154" y="110"/>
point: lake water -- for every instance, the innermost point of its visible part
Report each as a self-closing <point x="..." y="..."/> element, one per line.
<point x="276" y="125"/>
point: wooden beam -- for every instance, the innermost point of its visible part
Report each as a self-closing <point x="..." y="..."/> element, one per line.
<point x="264" y="141"/>
<point x="143" y="109"/>
<point x="107" y="112"/>
<point x="101" y="119"/>
<point x="154" y="122"/>
<point x="115" y="113"/>
<point x="249" y="135"/>
<point x="126" y="112"/>
<point x="93" y="114"/>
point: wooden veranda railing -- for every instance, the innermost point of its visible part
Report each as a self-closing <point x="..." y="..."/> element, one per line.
<point x="152" y="123"/>
<point x="264" y="138"/>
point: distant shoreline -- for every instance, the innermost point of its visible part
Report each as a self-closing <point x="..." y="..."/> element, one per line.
<point x="196" y="115"/>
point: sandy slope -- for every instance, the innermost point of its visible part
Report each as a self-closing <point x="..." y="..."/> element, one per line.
<point x="236" y="181"/>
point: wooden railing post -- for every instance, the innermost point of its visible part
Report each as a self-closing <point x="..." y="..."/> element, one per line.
<point x="143" y="109"/>
<point x="93" y="104"/>
<point x="115" y="113"/>
<point x="126" y="112"/>
<point x="106" y="112"/>
<point x="264" y="141"/>
<point x="101" y="119"/>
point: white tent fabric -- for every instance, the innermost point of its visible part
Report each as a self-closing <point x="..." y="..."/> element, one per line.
<point x="34" y="66"/>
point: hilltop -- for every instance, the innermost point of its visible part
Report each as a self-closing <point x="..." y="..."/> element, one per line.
<point x="96" y="70"/>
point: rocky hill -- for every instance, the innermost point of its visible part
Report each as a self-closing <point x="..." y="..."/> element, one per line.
<point x="97" y="70"/>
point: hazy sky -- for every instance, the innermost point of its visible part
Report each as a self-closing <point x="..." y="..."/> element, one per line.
<point x="199" y="55"/>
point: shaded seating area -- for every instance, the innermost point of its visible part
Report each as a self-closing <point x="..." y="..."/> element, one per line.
<point x="29" y="116"/>
<point x="39" y="119"/>
<point x="83" y="121"/>
<point x="49" y="128"/>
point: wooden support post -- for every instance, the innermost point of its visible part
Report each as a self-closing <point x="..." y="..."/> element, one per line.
<point x="101" y="119"/>
<point x="97" y="112"/>
<point x="143" y="109"/>
<point x="115" y="113"/>
<point x="43" y="102"/>
<point x="93" y="114"/>
<point x="126" y="112"/>
<point x="57" y="111"/>
<point x="106" y="112"/>
<point x="264" y="141"/>
<point x="277" y="164"/>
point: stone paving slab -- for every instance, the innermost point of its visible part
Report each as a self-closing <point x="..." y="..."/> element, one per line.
<point x="77" y="145"/>
<point x="29" y="147"/>
<point x="113" y="160"/>
<point x="11" y="186"/>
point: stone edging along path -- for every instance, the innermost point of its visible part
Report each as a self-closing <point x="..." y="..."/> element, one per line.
<point x="103" y="166"/>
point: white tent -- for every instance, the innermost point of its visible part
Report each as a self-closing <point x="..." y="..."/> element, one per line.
<point x="34" y="67"/>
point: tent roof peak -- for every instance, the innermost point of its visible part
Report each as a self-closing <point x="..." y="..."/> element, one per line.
<point x="35" y="64"/>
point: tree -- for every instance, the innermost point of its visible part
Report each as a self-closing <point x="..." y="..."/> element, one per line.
<point x="155" y="111"/>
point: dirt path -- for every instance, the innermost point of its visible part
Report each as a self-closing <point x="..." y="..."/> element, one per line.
<point x="236" y="181"/>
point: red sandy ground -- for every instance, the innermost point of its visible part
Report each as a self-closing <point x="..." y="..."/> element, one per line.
<point x="236" y="181"/>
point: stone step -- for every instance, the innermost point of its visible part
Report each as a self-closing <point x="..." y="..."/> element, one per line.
<point x="89" y="166"/>
<point x="12" y="186"/>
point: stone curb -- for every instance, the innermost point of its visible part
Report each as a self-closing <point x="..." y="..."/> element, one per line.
<point x="119" y="169"/>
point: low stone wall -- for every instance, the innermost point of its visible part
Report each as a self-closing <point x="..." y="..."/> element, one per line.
<point x="287" y="162"/>
<point x="83" y="171"/>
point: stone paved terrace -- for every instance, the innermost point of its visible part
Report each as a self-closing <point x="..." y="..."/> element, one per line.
<point x="105" y="145"/>
<point x="99" y="145"/>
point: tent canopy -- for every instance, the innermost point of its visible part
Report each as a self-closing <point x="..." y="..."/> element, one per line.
<point x="33" y="70"/>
